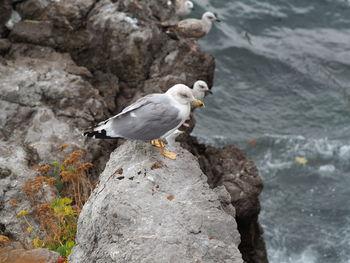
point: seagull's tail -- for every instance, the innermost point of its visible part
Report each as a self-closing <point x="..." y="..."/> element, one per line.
<point x="97" y="135"/>
<point x="98" y="132"/>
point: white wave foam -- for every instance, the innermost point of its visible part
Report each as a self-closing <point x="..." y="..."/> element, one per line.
<point x="326" y="169"/>
<point x="344" y="152"/>
<point x="282" y="256"/>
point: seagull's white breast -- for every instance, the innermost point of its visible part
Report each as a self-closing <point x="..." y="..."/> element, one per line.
<point x="184" y="113"/>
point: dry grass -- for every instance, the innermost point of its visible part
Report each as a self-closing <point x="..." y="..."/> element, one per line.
<point x="71" y="186"/>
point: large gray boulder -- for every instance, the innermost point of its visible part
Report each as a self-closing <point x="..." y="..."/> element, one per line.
<point x="147" y="208"/>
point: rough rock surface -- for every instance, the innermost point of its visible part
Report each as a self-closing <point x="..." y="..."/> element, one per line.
<point x="38" y="255"/>
<point x="147" y="208"/>
<point x="41" y="96"/>
<point x="70" y="64"/>
<point x="228" y="166"/>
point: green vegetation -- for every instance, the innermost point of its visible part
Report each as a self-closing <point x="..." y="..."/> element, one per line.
<point x="58" y="219"/>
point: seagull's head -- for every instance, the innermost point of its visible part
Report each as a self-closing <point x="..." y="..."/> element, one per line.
<point x="183" y="95"/>
<point x="189" y="5"/>
<point x="209" y="16"/>
<point x="200" y="89"/>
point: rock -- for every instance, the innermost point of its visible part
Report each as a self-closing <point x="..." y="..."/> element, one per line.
<point x="5" y="45"/>
<point x="14" y="170"/>
<point x="41" y="109"/>
<point x="45" y="100"/>
<point x="108" y="86"/>
<point x="241" y="179"/>
<point x="229" y="167"/>
<point x="69" y="14"/>
<point x="147" y="208"/>
<point x="38" y="255"/>
<point x="34" y="32"/>
<point x="5" y="14"/>
<point x="120" y="42"/>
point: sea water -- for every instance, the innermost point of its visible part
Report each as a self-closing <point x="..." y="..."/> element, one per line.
<point x="282" y="94"/>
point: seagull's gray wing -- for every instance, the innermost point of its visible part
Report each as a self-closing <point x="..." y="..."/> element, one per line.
<point x="138" y="103"/>
<point x="149" y="118"/>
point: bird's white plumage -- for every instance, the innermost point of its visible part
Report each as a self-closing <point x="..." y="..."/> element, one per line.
<point x="199" y="90"/>
<point x="171" y="138"/>
<point x="183" y="8"/>
<point x="183" y="105"/>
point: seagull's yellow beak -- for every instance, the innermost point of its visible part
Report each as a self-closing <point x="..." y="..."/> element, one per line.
<point x="198" y="102"/>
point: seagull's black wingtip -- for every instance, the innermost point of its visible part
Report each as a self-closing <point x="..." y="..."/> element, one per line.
<point x="97" y="134"/>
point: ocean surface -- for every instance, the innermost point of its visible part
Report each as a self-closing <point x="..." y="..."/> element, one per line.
<point x="282" y="94"/>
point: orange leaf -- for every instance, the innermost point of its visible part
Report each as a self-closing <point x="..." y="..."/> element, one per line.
<point x="170" y="197"/>
<point x="4" y="239"/>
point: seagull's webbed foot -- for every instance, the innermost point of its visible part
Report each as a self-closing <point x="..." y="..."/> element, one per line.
<point x="170" y="155"/>
<point x="157" y="143"/>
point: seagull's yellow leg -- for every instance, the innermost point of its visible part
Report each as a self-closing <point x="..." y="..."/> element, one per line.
<point x="170" y="155"/>
<point x="157" y="143"/>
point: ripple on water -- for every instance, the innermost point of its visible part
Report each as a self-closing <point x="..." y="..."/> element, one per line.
<point x="282" y="79"/>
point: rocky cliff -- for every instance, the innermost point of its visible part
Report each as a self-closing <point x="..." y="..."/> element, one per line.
<point x="148" y="208"/>
<point x="71" y="63"/>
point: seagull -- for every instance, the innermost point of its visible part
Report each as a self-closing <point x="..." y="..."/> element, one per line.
<point x="183" y="7"/>
<point x="151" y="118"/>
<point x="199" y="91"/>
<point x="195" y="28"/>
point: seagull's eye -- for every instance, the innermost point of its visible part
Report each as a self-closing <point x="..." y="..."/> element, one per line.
<point x="183" y="95"/>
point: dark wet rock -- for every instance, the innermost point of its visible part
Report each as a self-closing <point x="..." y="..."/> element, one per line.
<point x="5" y="14"/>
<point x="69" y="14"/>
<point x="108" y="86"/>
<point x="120" y="43"/>
<point x="229" y="167"/>
<point x="34" y="32"/>
<point x="155" y="210"/>
<point x="5" y="45"/>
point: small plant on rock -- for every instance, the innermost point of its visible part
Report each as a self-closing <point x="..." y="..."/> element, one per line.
<point x="70" y="185"/>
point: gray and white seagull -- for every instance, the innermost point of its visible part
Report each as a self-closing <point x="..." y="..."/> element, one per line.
<point x="195" y="28"/>
<point x="199" y="91"/>
<point x="151" y="118"/>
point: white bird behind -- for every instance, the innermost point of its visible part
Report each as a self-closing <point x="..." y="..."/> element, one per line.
<point x="199" y="91"/>
<point x="183" y="8"/>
